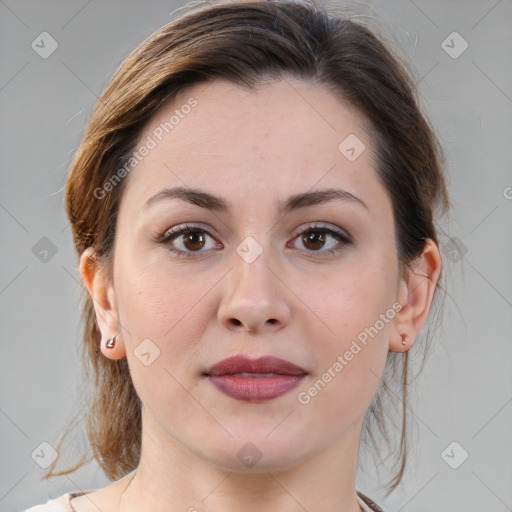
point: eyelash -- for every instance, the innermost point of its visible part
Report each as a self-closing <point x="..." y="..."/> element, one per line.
<point x="174" y="233"/>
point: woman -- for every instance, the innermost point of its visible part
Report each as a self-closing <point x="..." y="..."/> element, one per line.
<point x="253" y="208"/>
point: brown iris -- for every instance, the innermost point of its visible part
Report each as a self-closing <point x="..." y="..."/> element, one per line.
<point x="314" y="237"/>
<point x="195" y="239"/>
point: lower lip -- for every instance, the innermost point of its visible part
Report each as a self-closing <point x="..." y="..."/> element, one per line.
<point x="255" y="389"/>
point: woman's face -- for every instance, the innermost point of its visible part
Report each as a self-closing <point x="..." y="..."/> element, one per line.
<point x="247" y="282"/>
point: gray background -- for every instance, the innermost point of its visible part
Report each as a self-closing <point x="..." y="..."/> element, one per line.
<point x="465" y="393"/>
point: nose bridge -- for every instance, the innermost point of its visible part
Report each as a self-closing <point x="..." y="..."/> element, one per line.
<point x="254" y="296"/>
<point x="251" y="272"/>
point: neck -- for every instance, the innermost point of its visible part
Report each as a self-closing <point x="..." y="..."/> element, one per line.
<point x="172" y="477"/>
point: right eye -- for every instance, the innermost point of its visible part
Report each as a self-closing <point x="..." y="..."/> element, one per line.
<point x="193" y="240"/>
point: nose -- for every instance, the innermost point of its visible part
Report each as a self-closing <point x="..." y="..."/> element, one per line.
<point x="255" y="298"/>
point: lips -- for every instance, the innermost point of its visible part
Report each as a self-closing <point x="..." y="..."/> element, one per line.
<point x="255" y="380"/>
<point x="261" y="366"/>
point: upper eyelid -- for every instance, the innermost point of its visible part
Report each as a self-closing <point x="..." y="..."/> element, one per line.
<point x="178" y="230"/>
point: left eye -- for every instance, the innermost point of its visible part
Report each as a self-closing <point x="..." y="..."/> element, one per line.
<point x="315" y="237"/>
<point x="194" y="238"/>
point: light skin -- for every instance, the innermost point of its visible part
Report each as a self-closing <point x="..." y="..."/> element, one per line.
<point x="297" y="300"/>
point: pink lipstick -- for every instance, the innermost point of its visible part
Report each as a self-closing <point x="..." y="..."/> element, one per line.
<point x="255" y="380"/>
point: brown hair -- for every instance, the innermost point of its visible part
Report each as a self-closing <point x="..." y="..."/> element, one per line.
<point x="243" y="43"/>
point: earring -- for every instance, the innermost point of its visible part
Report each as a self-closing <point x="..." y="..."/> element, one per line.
<point x="111" y="343"/>
<point x="404" y="336"/>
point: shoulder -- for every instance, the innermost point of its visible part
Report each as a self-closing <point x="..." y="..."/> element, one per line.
<point x="368" y="504"/>
<point x="60" y="504"/>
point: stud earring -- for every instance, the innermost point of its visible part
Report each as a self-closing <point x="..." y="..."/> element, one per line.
<point x="404" y="336"/>
<point x="111" y="343"/>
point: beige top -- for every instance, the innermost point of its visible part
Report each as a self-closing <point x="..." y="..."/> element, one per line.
<point x="62" y="503"/>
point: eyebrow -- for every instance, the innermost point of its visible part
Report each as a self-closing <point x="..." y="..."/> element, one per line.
<point x="215" y="203"/>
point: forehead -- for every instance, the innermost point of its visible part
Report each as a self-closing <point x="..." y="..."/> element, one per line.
<point x="289" y="111"/>
<point x="286" y="136"/>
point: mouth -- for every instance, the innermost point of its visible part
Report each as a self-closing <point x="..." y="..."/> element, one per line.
<point x="255" y="380"/>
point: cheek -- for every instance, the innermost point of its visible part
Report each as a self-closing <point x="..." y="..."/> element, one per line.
<point x="354" y="312"/>
<point x="149" y="299"/>
<point x="354" y="300"/>
<point x="351" y="356"/>
<point x="163" y="305"/>
<point x="164" y="308"/>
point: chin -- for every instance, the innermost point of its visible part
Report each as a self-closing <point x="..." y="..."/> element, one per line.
<point x="256" y="454"/>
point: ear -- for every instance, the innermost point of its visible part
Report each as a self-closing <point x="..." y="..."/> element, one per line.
<point x="105" y="306"/>
<point x="415" y="294"/>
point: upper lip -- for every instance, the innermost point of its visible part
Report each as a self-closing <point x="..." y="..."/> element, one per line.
<point x="265" y="364"/>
